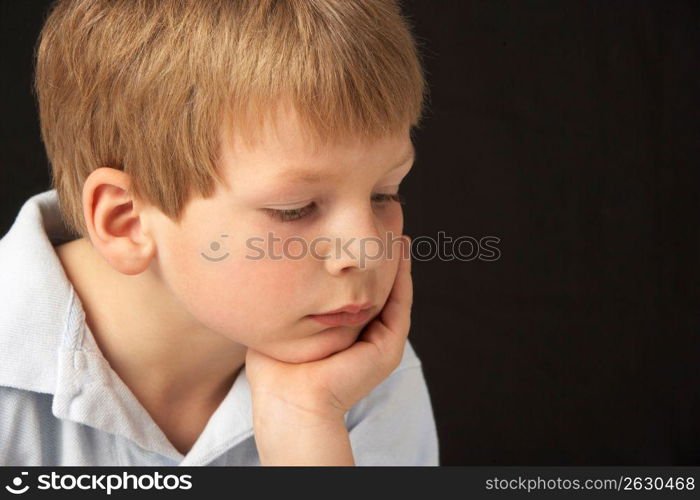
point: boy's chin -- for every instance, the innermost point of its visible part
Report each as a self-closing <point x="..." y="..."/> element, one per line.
<point x="316" y="347"/>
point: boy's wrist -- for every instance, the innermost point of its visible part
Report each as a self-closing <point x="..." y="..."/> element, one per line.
<point x="270" y="409"/>
<point x="290" y="443"/>
<point x="294" y="436"/>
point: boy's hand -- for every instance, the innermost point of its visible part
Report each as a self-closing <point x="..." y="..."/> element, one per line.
<point x="319" y="393"/>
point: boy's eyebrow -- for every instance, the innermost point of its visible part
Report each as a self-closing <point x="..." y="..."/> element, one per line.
<point x="298" y="174"/>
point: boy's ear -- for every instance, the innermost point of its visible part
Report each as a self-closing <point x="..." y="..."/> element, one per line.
<point x="115" y="221"/>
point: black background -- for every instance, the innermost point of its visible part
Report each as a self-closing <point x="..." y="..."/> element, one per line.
<point x="569" y="130"/>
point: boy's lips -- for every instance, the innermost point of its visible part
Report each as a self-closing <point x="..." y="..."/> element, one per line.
<point x="342" y="318"/>
<point x="349" y="315"/>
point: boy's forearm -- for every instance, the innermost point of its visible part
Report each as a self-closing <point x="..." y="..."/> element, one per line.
<point x="285" y="439"/>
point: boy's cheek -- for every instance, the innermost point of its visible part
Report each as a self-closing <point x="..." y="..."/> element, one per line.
<point x="243" y="301"/>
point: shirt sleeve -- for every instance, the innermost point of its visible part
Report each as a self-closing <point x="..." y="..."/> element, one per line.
<point x="394" y="424"/>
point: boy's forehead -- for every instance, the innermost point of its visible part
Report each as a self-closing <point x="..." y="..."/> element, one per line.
<point x="315" y="175"/>
<point x="282" y="152"/>
<point x="304" y="166"/>
<point x="279" y="175"/>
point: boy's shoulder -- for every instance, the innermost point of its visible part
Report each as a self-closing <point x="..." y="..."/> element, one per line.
<point x="35" y="295"/>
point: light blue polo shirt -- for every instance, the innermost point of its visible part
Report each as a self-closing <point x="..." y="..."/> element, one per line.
<point x="62" y="404"/>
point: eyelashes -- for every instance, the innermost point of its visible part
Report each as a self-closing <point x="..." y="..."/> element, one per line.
<point x="296" y="214"/>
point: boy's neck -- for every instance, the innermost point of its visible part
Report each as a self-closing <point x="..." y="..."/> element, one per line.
<point x="169" y="362"/>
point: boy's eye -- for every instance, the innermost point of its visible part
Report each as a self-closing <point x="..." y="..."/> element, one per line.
<point x="291" y="214"/>
<point x="295" y="214"/>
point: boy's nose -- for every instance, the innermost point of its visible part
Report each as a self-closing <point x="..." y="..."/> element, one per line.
<point x="357" y="244"/>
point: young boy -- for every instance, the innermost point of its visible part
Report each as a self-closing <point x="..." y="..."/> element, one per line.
<point x="219" y="167"/>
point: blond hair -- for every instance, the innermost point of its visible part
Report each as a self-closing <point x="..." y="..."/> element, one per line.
<point x="144" y="86"/>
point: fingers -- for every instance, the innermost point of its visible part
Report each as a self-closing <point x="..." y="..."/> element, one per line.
<point x="390" y="330"/>
<point x="396" y="314"/>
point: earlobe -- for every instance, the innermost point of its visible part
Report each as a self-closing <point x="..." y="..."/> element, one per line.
<point x="114" y="221"/>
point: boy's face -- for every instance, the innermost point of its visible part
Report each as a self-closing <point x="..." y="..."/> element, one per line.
<point x="232" y="265"/>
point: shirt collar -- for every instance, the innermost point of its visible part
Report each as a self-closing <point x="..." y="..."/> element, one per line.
<point x="46" y="346"/>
